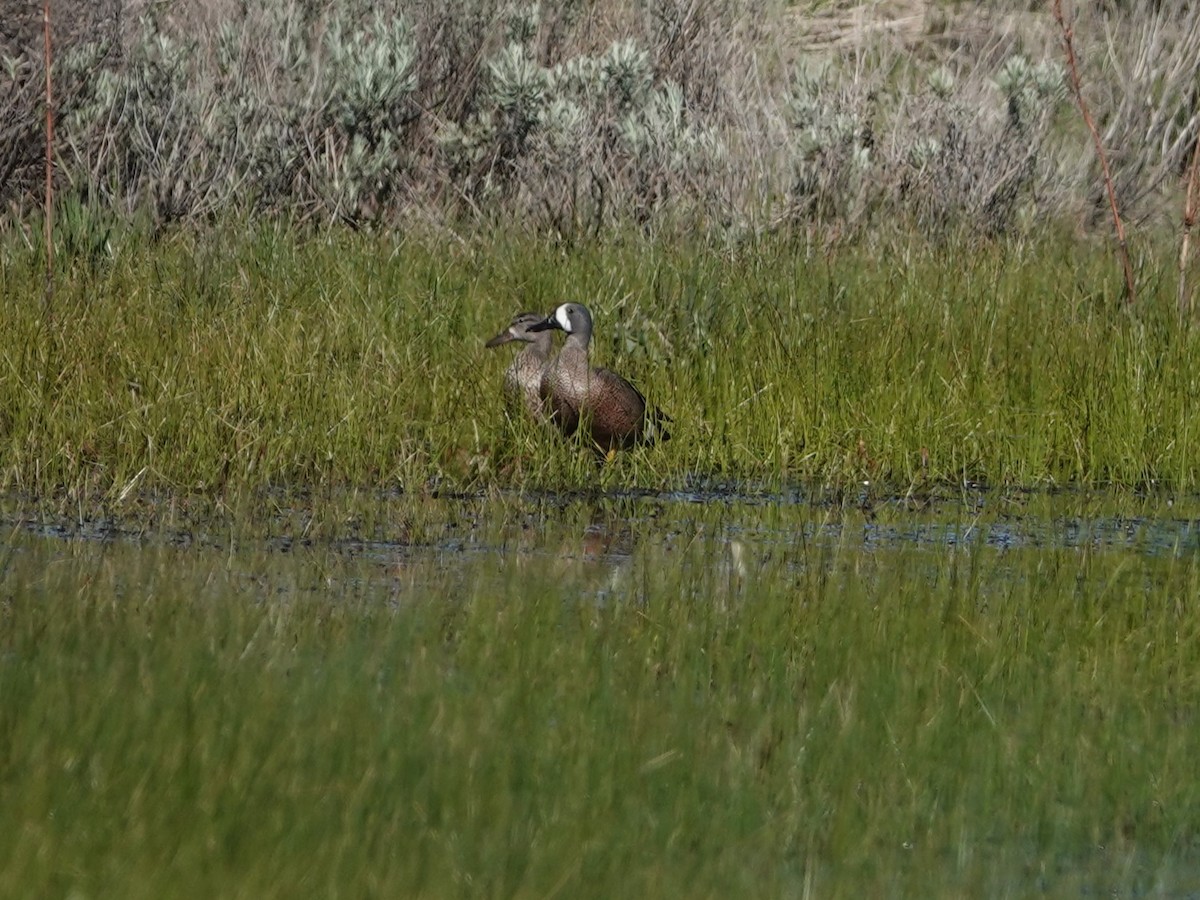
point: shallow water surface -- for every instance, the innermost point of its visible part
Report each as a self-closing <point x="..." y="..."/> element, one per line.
<point x="608" y="523"/>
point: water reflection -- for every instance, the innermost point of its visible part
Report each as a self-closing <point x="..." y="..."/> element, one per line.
<point x="596" y="536"/>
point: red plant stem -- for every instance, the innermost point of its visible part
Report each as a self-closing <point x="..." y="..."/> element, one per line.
<point x="1189" y="221"/>
<point x="49" y="160"/>
<point x="1077" y="88"/>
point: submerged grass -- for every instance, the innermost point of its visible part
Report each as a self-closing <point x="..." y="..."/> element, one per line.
<point x="709" y="701"/>
<point x="221" y="366"/>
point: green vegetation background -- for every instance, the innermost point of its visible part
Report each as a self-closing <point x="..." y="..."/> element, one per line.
<point x="341" y="624"/>
<point x="263" y="359"/>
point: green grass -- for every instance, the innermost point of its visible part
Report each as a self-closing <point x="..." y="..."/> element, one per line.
<point x="296" y="661"/>
<point x="217" y="367"/>
<point x="851" y="715"/>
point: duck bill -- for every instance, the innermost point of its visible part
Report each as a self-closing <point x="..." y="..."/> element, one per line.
<point x="545" y="325"/>
<point x="503" y="337"/>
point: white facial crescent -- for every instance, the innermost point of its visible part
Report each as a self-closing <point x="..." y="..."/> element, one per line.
<point x="562" y="318"/>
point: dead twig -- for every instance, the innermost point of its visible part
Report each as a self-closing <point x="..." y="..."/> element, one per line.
<point x="49" y="162"/>
<point x="1077" y="89"/>
<point x="1189" y="221"/>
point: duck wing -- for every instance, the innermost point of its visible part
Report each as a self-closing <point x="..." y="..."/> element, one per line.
<point x="621" y="417"/>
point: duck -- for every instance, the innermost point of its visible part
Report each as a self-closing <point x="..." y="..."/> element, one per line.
<point x="612" y="412"/>
<point x="523" y="377"/>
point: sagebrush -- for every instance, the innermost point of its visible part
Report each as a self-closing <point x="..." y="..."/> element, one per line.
<point x="578" y="118"/>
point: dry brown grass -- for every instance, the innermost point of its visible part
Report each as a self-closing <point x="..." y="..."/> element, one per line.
<point x="735" y="66"/>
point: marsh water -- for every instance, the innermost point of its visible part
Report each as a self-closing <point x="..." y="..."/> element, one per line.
<point x="732" y="529"/>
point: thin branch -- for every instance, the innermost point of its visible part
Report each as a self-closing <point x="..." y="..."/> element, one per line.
<point x="49" y="161"/>
<point x="1189" y="221"/>
<point x="1077" y="89"/>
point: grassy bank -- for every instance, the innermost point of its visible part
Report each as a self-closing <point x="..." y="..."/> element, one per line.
<point x="220" y="367"/>
<point x="819" y="713"/>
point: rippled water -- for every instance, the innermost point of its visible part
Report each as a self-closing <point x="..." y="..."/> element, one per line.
<point x="735" y="529"/>
<point x="1001" y="519"/>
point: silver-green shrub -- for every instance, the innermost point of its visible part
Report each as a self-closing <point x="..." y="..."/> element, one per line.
<point x="659" y="113"/>
<point x="584" y="142"/>
<point x="830" y="148"/>
<point x="939" y="160"/>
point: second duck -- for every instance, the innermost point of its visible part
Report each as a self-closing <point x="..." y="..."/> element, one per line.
<point x="610" y="410"/>
<point x="523" y="378"/>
